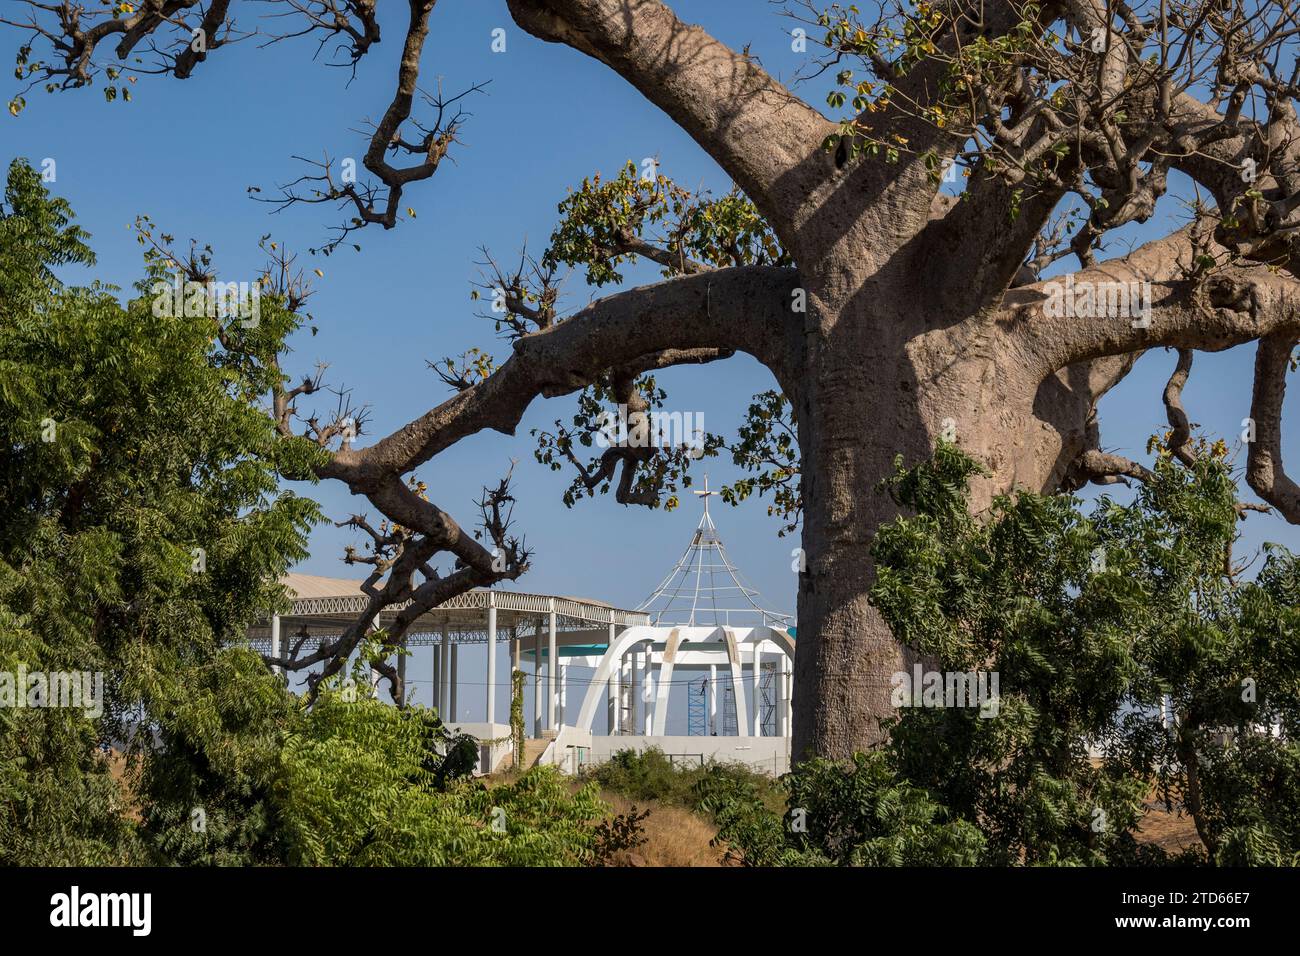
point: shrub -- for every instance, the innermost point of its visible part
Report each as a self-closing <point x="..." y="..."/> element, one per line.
<point x="362" y="785"/>
<point x="857" y="814"/>
<point x="1090" y="622"/>
<point x="650" y="775"/>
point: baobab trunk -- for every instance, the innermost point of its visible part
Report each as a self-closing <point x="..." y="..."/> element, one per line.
<point x="865" y="399"/>
<point x="846" y="653"/>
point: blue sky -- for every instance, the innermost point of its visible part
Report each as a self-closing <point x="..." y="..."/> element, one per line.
<point x="185" y="153"/>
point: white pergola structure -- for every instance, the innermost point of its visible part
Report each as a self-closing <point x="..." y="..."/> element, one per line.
<point x="635" y="676"/>
<point x="323" y="608"/>
<point x="704" y="619"/>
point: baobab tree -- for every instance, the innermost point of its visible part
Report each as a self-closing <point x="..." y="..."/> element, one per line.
<point x="889" y="275"/>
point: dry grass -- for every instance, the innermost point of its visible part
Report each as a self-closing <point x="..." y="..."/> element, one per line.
<point x="674" y="836"/>
<point x="120" y="769"/>
<point x="1170" y="830"/>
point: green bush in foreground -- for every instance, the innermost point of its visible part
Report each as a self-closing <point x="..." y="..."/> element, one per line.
<point x="360" y="784"/>
<point x="143" y="531"/>
<point x="650" y="775"/>
<point x="1090" y="621"/>
<point x="858" y="814"/>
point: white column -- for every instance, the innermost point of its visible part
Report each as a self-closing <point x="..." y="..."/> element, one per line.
<point x="629" y="692"/>
<point x="492" y="658"/>
<point x="780" y="698"/>
<point x="276" y="650"/>
<point x="713" y="699"/>
<point x="564" y="691"/>
<point x="551" y="668"/>
<point x="616" y="699"/>
<point x="434" y="697"/>
<point x="444" y="660"/>
<point x="455" y="677"/>
<point x="634" y="691"/>
<point x="758" y="711"/>
<point x="612" y="721"/>
<point x="537" y="678"/>
<point x="647" y="662"/>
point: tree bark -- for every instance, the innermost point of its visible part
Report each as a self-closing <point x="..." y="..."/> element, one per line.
<point x="877" y="386"/>
<point x="860" y="403"/>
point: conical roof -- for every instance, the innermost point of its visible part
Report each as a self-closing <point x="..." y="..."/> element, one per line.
<point x="704" y="589"/>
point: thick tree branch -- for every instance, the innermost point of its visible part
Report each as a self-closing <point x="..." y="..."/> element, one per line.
<point x="757" y="130"/>
<point x="1192" y="304"/>
<point x="746" y="309"/>
<point x="1264" y="469"/>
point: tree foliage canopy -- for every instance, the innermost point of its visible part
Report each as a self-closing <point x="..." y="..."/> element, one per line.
<point x="1129" y="651"/>
<point x="144" y="531"/>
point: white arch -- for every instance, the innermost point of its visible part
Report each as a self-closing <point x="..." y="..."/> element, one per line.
<point x="768" y="639"/>
<point x="675" y="640"/>
<point x="613" y="657"/>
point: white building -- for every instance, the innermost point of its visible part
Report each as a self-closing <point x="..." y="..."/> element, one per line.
<point x="702" y="629"/>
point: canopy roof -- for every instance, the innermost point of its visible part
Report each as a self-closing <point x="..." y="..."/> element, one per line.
<point x="326" y="606"/>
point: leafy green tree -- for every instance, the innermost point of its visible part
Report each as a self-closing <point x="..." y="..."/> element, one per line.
<point x="1131" y="653"/>
<point x="361" y="783"/>
<point x="59" y="802"/>
<point x="144" y="531"/>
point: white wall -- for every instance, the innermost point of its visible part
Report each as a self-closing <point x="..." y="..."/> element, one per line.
<point x="768" y="754"/>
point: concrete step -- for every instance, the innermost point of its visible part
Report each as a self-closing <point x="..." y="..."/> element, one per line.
<point x="534" y="747"/>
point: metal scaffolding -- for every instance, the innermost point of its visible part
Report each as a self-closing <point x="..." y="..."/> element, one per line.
<point x="697" y="708"/>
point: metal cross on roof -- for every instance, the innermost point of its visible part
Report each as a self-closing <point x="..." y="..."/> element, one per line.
<point x="705" y="495"/>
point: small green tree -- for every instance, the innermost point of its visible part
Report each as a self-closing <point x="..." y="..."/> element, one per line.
<point x="144" y="531"/>
<point x="359" y="784"/>
<point x="1091" y="623"/>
